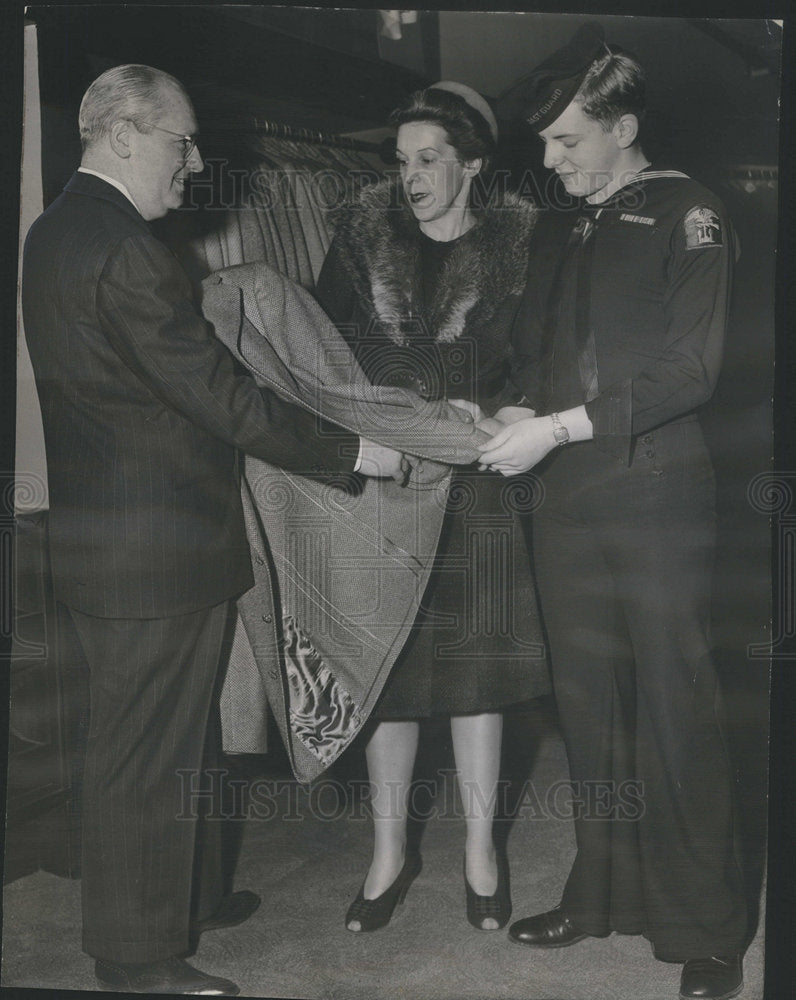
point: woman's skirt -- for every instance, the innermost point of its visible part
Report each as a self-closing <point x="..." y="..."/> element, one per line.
<point x="476" y="645"/>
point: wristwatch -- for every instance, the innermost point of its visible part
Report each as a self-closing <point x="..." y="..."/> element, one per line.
<point x="560" y="433"/>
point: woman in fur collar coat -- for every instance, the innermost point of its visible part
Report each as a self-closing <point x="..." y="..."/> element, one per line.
<point x="423" y="284"/>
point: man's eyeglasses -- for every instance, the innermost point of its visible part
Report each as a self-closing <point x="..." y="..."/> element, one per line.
<point x="188" y="141"/>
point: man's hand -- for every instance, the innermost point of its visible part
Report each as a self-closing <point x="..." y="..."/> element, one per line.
<point x="380" y="461"/>
<point x="471" y="411"/>
<point x="519" y="447"/>
<point x="524" y="443"/>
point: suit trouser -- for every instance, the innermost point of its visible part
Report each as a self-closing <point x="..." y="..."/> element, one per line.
<point x="624" y="559"/>
<point x="151" y="684"/>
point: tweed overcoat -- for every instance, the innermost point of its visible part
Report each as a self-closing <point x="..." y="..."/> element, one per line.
<point x="340" y="566"/>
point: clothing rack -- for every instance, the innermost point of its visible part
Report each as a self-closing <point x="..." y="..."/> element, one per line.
<point x="284" y="218"/>
<point x="265" y="127"/>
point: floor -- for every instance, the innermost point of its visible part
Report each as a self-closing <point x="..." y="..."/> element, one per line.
<point x="305" y="851"/>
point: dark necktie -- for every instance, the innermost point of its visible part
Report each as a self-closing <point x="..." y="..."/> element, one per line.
<point x="569" y="309"/>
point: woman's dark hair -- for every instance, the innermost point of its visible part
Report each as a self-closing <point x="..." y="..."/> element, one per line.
<point x="467" y="130"/>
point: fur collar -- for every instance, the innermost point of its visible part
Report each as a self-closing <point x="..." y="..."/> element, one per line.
<point x="379" y="242"/>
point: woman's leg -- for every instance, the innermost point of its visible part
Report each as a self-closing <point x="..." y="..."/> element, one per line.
<point x="476" y="748"/>
<point x="390" y="756"/>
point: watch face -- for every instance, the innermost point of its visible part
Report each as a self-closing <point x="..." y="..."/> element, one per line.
<point x="561" y="434"/>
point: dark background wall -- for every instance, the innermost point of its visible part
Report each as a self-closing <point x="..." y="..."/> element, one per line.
<point x="713" y="83"/>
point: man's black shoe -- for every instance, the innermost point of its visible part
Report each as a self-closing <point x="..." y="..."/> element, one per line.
<point x="232" y="910"/>
<point x="170" y="975"/>
<point x="714" y="978"/>
<point x="546" y="930"/>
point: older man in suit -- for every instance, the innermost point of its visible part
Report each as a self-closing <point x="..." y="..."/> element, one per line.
<point x="143" y="411"/>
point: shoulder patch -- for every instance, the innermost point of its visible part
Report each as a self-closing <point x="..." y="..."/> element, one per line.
<point x="702" y="229"/>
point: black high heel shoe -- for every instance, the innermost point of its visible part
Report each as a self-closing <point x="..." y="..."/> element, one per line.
<point x="371" y="914"/>
<point x="496" y="907"/>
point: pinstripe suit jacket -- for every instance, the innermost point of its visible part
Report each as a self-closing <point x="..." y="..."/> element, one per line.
<point x="143" y="410"/>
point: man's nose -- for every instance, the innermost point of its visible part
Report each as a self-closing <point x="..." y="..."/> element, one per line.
<point x="552" y="156"/>
<point x="195" y="163"/>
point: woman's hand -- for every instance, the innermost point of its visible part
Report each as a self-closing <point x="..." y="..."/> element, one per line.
<point x="511" y="414"/>
<point x="472" y="410"/>
<point x="490" y="425"/>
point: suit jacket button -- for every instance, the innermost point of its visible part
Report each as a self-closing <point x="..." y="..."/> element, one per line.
<point x="268" y="619"/>
<point x="259" y="560"/>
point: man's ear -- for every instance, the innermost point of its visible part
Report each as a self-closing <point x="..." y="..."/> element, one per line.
<point x="626" y="131"/>
<point x="120" y="138"/>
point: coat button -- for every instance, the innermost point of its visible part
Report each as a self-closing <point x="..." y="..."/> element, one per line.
<point x="647" y="439"/>
<point x="268" y="619"/>
<point x="649" y="453"/>
<point x="259" y="560"/>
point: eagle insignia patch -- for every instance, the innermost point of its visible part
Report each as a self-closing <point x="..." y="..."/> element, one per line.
<point x="702" y="229"/>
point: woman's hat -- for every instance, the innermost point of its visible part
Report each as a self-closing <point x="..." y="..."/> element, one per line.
<point x="473" y="98"/>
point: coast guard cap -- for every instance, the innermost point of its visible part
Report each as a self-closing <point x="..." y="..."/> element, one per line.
<point x="544" y="93"/>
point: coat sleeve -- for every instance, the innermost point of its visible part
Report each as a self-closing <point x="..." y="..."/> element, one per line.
<point x="146" y="308"/>
<point x="684" y="374"/>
